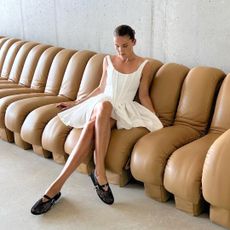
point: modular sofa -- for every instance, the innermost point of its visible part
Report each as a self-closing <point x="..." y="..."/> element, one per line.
<point x="187" y="158"/>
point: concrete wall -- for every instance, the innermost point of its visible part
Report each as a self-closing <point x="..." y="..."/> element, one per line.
<point x="191" y="32"/>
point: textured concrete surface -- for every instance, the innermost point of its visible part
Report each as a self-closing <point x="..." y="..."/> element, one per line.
<point x="25" y="176"/>
<point x="191" y="32"/>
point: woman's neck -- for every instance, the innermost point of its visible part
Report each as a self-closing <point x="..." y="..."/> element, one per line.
<point x="129" y="58"/>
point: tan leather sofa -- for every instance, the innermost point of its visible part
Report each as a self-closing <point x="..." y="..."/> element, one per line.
<point x="8" y="62"/>
<point x="39" y="117"/>
<point x="56" y="143"/>
<point x="175" y="160"/>
<point x="24" y="85"/>
<point x="122" y="141"/>
<point x="215" y="180"/>
<point x="12" y="73"/>
<point x="42" y="87"/>
<point x="7" y="43"/>
<point x="150" y="153"/>
<point x="183" y="171"/>
<point x="67" y="91"/>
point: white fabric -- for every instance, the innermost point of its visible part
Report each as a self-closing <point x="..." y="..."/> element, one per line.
<point x="120" y="90"/>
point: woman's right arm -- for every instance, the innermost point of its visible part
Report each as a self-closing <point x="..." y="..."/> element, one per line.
<point x="100" y="89"/>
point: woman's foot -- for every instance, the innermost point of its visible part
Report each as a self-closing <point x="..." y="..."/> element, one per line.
<point x="103" y="191"/>
<point x="44" y="204"/>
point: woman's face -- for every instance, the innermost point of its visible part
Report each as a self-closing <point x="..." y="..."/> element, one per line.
<point x="124" y="46"/>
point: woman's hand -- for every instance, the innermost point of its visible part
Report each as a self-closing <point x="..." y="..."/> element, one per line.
<point x="66" y="105"/>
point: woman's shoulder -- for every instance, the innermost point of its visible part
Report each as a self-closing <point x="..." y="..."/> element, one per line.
<point x="141" y="59"/>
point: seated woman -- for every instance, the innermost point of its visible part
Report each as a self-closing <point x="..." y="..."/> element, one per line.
<point x="111" y="103"/>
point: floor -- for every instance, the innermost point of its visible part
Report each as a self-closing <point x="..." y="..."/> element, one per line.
<point x="25" y="176"/>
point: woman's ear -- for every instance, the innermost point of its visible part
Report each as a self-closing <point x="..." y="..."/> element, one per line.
<point x="134" y="41"/>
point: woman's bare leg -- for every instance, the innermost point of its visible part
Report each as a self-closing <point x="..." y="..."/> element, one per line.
<point x="99" y="125"/>
<point x="77" y="155"/>
<point x="103" y="125"/>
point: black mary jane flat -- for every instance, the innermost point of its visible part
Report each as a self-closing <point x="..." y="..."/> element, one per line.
<point x="103" y="191"/>
<point x="41" y="206"/>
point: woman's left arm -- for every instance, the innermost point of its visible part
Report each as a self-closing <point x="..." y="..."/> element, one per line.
<point x="144" y="88"/>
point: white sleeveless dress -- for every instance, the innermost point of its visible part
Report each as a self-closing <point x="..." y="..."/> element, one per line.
<point x="120" y="91"/>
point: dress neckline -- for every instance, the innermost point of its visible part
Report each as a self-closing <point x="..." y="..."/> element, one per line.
<point x="109" y="58"/>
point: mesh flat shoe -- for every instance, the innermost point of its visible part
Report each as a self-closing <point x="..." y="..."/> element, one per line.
<point x="103" y="191"/>
<point x="41" y="206"/>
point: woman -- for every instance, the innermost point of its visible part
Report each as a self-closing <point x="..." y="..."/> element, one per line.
<point x="110" y="104"/>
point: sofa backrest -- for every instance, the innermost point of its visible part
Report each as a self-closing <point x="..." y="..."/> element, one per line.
<point x="43" y="67"/>
<point x="166" y="89"/>
<point x="2" y="41"/>
<point x="221" y="118"/>
<point x="91" y="76"/>
<point x="57" y="70"/>
<point x="197" y="97"/>
<point x="73" y="74"/>
<point x="9" y="59"/>
<point x="30" y="64"/>
<point x="4" y="49"/>
<point x="19" y="61"/>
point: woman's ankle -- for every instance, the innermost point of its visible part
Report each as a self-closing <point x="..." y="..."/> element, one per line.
<point x="101" y="179"/>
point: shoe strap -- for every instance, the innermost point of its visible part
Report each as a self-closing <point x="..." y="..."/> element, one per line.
<point x="98" y="185"/>
<point x="47" y="197"/>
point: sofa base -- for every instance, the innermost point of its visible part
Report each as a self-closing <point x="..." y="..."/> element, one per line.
<point x="21" y="143"/>
<point x="157" y="192"/>
<point x="40" y="151"/>
<point x="60" y="158"/>
<point x="6" y="135"/>
<point x="86" y="168"/>
<point x="220" y="216"/>
<point x="190" y="207"/>
<point x="119" y="179"/>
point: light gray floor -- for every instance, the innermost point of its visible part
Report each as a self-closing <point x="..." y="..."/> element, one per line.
<point x="25" y="175"/>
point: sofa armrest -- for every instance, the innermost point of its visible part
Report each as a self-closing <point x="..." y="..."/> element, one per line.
<point x="215" y="180"/>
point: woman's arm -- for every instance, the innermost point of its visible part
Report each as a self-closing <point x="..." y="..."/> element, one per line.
<point x="96" y="91"/>
<point x="145" y="82"/>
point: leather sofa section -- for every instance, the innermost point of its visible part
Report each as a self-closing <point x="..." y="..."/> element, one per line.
<point x="151" y="152"/>
<point x="118" y="159"/>
<point x="215" y="180"/>
<point x="26" y="74"/>
<point x="184" y="169"/>
<point x="55" y="132"/>
<point x="38" y="85"/>
<point x="166" y="89"/>
<point x="15" y="115"/>
<point x="19" y="61"/>
<point x="2" y="41"/>
<point x="4" y="49"/>
<point x="36" y="120"/>
<point x="9" y="60"/>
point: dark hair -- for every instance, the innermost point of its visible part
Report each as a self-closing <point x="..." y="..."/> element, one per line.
<point x="124" y="30"/>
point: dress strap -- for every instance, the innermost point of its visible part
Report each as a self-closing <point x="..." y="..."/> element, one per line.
<point x="108" y="58"/>
<point x="142" y="65"/>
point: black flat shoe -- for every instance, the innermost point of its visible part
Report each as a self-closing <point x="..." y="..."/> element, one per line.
<point x="41" y="206"/>
<point x="103" y="191"/>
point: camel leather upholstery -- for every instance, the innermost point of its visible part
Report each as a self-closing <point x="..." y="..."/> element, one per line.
<point x="24" y="85"/>
<point x="4" y="49"/>
<point x="118" y="169"/>
<point x="151" y="152"/>
<point x="215" y="180"/>
<point x="36" y="120"/>
<point x="9" y="60"/>
<point x="183" y="171"/>
<point x="54" y="141"/>
<point x="188" y="158"/>
<point x="22" y="107"/>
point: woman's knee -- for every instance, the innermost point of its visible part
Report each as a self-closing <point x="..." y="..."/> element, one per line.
<point x="105" y="108"/>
